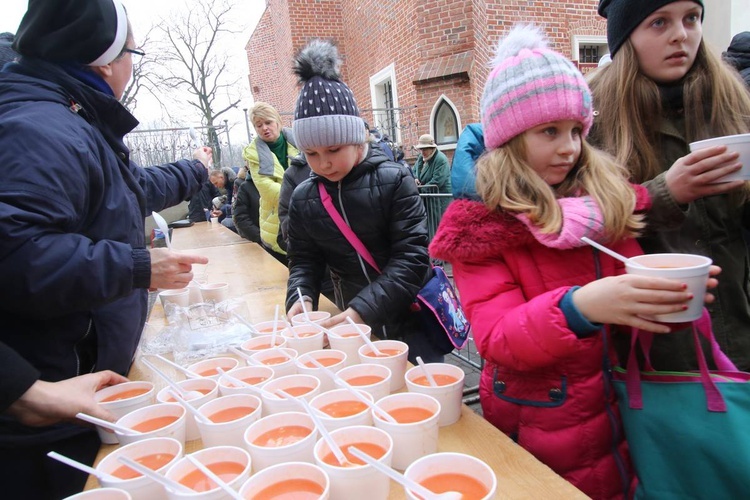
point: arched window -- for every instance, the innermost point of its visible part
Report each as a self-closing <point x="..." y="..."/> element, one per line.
<point x="445" y="123"/>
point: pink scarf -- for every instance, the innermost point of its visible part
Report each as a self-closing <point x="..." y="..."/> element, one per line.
<point x="581" y="217"/>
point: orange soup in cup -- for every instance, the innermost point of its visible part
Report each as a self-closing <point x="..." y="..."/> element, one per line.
<point x="282" y="436"/>
<point x="298" y="390"/>
<point x="153" y="424"/>
<point x="297" y="489"/>
<point x="409" y="414"/>
<point x="365" y="380"/>
<point x="250" y="380"/>
<point x="275" y="361"/>
<point x="153" y="462"/>
<point x="199" y="482"/>
<point x="470" y="488"/>
<point x="440" y="379"/>
<point x="384" y="353"/>
<point x="323" y="361"/>
<point x="372" y="449"/>
<point x="231" y="414"/>
<point x="125" y="395"/>
<point x="341" y="409"/>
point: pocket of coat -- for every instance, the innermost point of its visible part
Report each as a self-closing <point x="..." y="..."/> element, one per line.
<point x="530" y="390"/>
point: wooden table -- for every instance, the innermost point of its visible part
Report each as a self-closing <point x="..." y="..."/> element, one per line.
<point x="204" y="234"/>
<point x="261" y="281"/>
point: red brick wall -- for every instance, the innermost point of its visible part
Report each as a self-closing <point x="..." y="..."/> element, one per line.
<point x="372" y="34"/>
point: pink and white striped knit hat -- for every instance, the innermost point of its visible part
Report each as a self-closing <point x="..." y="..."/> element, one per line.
<point x="530" y="85"/>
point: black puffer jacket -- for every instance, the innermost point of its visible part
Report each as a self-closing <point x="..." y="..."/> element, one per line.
<point x="298" y="172"/>
<point x="738" y="55"/>
<point x="379" y="199"/>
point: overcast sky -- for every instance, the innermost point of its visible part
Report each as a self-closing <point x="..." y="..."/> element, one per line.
<point x="144" y="13"/>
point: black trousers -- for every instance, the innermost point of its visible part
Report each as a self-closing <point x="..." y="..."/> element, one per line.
<point x="28" y="473"/>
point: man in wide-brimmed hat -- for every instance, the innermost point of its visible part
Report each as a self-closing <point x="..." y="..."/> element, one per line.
<point x="432" y="169"/>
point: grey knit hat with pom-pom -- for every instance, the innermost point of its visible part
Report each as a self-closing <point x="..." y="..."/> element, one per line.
<point x="326" y="114"/>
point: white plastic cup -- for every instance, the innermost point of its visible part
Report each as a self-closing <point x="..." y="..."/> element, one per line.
<point x="308" y="338"/>
<point x="372" y="379"/>
<point x="207" y="368"/>
<point x="214" y="292"/>
<point x="172" y="299"/>
<point x="452" y="463"/>
<point x="686" y="268"/>
<point x="358" y="481"/>
<point x="314" y="316"/>
<point x="121" y="407"/>
<point x="347" y="339"/>
<point x="184" y="471"/>
<point x="271" y="357"/>
<point x="332" y="359"/>
<point x="735" y="143"/>
<point x="397" y="363"/>
<point x="273" y="405"/>
<point x="214" y="220"/>
<point x="292" y="471"/>
<point x="266" y="327"/>
<point x="267" y="456"/>
<point x="257" y="344"/>
<point x="410" y="440"/>
<point x="449" y="394"/>
<point x="140" y="487"/>
<point x="102" y="494"/>
<point x="207" y="386"/>
<point x="337" y="397"/>
<point x="227" y="433"/>
<point x="254" y="375"/>
<point x="175" y="429"/>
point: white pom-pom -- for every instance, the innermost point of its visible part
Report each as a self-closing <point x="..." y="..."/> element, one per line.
<point x="522" y="36"/>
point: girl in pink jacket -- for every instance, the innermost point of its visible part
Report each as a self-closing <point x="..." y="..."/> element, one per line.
<point x="540" y="300"/>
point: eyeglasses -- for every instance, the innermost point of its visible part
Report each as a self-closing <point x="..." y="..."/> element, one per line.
<point x="135" y="51"/>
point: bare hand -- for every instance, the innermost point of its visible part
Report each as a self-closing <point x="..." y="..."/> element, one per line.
<point x="46" y="403"/>
<point x="691" y="176"/>
<point x="216" y="213"/>
<point x="171" y="269"/>
<point x="204" y="155"/>
<point x="297" y="309"/>
<point x="625" y="299"/>
<point x="341" y="318"/>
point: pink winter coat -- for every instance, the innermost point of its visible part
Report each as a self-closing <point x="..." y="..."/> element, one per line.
<point x="542" y="384"/>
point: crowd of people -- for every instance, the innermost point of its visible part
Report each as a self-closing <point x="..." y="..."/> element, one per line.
<point x="556" y="157"/>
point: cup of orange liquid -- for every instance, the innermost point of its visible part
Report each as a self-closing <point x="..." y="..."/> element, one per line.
<point x="279" y="438"/>
<point x="340" y="408"/>
<point x="442" y="472"/>
<point x="101" y="494"/>
<point x="214" y="292"/>
<point x="228" y="417"/>
<point x="372" y="379"/>
<point x="416" y="432"/>
<point x="288" y="480"/>
<point x="356" y="480"/>
<point x="120" y="400"/>
<point x="449" y="392"/>
<point x="207" y="368"/>
<point x="347" y="339"/>
<point x="280" y="360"/>
<point x="254" y="375"/>
<point x="394" y="355"/>
<point x="297" y="385"/>
<point x="207" y="387"/>
<point x="157" y="420"/>
<point x="332" y="359"/>
<point x="313" y="316"/>
<point x="264" y="328"/>
<point x="158" y="454"/>
<point x="230" y="463"/>
<point x="257" y="344"/>
<point x="304" y="338"/>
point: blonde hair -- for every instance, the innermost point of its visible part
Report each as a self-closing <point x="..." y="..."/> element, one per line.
<point x="505" y="180"/>
<point x="264" y="111"/>
<point x="716" y="104"/>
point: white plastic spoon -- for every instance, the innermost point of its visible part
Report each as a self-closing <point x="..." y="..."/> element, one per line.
<point x="239" y="353"/>
<point x="245" y="322"/>
<point x="155" y="476"/>
<point x="426" y="372"/>
<point x="213" y="477"/>
<point x="407" y="483"/>
<point x="106" y="424"/>
<point x="323" y="431"/>
<point x="611" y="253"/>
<point x="242" y="383"/>
<point x="183" y="370"/>
<point x="324" y="330"/>
<point x="171" y="383"/>
<point x="162" y="224"/>
<point x="304" y="307"/>
<point x="275" y="325"/>
<point x="82" y="467"/>
<point x="364" y="336"/>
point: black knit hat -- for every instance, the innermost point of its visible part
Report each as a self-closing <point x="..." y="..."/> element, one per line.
<point x="623" y="16"/>
<point x="326" y="113"/>
<point x="91" y="32"/>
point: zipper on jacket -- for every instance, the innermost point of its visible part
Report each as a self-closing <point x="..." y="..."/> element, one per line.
<point x="75" y="348"/>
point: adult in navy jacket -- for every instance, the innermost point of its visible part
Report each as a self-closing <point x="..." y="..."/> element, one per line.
<point x="73" y="259"/>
